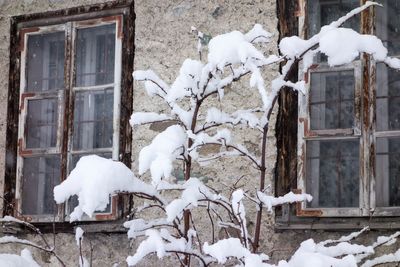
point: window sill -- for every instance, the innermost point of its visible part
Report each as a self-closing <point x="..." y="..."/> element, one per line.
<point x="66" y="227"/>
<point x="334" y="224"/>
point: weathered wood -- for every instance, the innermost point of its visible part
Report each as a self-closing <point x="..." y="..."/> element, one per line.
<point x="125" y="9"/>
<point x="125" y="203"/>
<point x="12" y="122"/>
<point x="286" y="123"/>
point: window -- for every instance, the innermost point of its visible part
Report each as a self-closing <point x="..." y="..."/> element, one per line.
<point x="349" y="124"/>
<point x="69" y="103"/>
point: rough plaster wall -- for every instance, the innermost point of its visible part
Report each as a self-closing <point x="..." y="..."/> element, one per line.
<point x="9" y="9"/>
<point x="163" y="41"/>
<point x="65" y="243"/>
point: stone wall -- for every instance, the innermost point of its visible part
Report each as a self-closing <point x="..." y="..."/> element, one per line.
<point x="162" y="41"/>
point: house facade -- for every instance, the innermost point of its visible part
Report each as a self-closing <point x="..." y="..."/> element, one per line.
<point x="66" y="91"/>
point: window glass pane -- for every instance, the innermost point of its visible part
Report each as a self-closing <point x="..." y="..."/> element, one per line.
<point x="387" y="98"/>
<point x="333" y="173"/>
<point x="332" y="100"/>
<point x="73" y="201"/>
<point x="41" y="123"/>
<point x="323" y="12"/>
<point x="40" y="175"/>
<point x="388" y="172"/>
<point x="388" y="25"/>
<point x="95" y="53"/>
<point x="93" y="119"/>
<point x="45" y="62"/>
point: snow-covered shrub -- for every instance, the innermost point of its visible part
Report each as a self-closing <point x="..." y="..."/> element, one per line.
<point x="231" y="56"/>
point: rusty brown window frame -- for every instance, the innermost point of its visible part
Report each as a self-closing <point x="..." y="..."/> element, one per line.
<point x="119" y="12"/>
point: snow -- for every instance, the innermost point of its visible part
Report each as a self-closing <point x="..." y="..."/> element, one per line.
<point x="224" y="249"/>
<point x="161" y="153"/>
<point x="139" y="118"/>
<point x="340" y="45"/>
<point x="10" y="219"/>
<point x="222" y="136"/>
<point x="93" y="180"/>
<point x="293" y="46"/>
<point x="231" y="48"/>
<point x="12" y="260"/>
<point x="154" y="85"/>
<point x="194" y="191"/>
<point x="256" y="80"/>
<point x="344" y="248"/>
<point x="216" y="116"/>
<point x="387" y="258"/>
<point x="345" y="238"/>
<point x="308" y="59"/>
<point x="155" y="244"/>
<point x="270" y="201"/>
<point x="240" y="213"/>
<point x="258" y="35"/>
<point x="343" y="45"/>
<point x="393" y="62"/>
<point x="78" y="236"/>
<point x="83" y="262"/>
<point x="187" y="81"/>
<point x="12" y="239"/>
<point x="381" y="240"/>
<point x="138" y="227"/>
<point x="312" y="254"/>
<point x="184" y="116"/>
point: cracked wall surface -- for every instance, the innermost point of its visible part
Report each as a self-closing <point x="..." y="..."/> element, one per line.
<point x="162" y="41"/>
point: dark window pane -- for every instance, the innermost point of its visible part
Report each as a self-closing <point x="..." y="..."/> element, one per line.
<point x="388" y="25"/>
<point x="333" y="173"/>
<point x="73" y="201"/>
<point x="332" y="100"/>
<point x="45" y="62"/>
<point x="95" y="53"/>
<point x="40" y="175"/>
<point x="388" y="172"/>
<point x="41" y="123"/>
<point x="387" y="98"/>
<point x="323" y="12"/>
<point x="93" y="119"/>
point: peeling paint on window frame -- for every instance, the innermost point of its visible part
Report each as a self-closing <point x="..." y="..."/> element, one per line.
<point x="119" y="12"/>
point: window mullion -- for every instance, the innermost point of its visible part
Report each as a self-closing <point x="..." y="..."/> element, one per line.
<point x="117" y="89"/>
<point x="367" y="117"/>
<point x="65" y="124"/>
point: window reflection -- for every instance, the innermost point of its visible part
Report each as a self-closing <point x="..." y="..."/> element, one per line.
<point x="93" y="119"/>
<point x="40" y="175"/>
<point x="332" y="100"/>
<point x="333" y="173"/>
<point x="95" y="53"/>
<point x="45" y="62"/>
<point x="388" y="172"/>
<point x="41" y="123"/>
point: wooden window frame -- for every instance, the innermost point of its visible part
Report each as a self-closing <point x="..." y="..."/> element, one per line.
<point x="292" y="17"/>
<point x="364" y="110"/>
<point x="305" y="133"/>
<point x="68" y="20"/>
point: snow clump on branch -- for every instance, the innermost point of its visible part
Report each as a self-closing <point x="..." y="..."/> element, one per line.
<point x="93" y="180"/>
